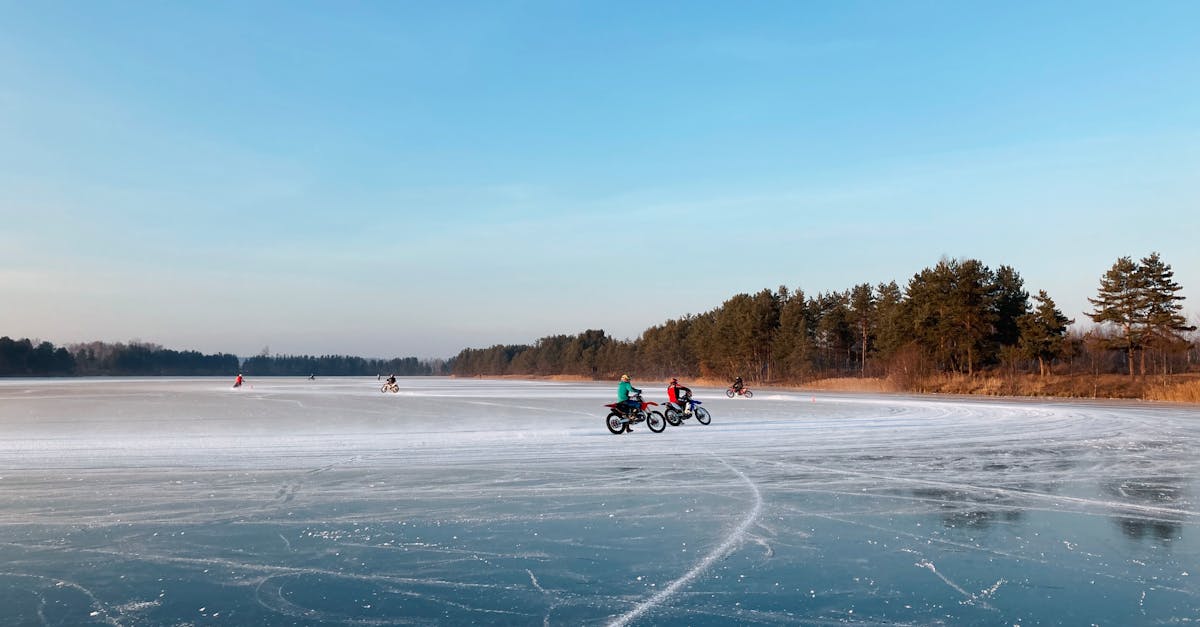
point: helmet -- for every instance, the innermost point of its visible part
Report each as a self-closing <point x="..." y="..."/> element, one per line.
<point x="624" y="377"/>
<point x="674" y="380"/>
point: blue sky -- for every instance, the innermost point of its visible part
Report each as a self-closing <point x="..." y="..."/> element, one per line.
<point x="404" y="178"/>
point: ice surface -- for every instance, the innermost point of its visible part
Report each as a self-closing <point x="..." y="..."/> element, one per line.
<point x="296" y="502"/>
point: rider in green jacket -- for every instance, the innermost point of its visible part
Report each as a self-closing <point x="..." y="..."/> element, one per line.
<point x="624" y="391"/>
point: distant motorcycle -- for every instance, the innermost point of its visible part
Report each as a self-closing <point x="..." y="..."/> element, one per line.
<point x="620" y="417"/>
<point x="389" y="387"/>
<point x="730" y="392"/>
<point x="688" y="407"/>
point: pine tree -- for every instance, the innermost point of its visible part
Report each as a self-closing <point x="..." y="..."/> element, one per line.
<point x="927" y="313"/>
<point x="1043" y="332"/>
<point x="1122" y="301"/>
<point x="975" y="310"/>
<point x="833" y="331"/>
<point x="1164" y="321"/>
<point x="890" y="333"/>
<point x="952" y="311"/>
<point x="1011" y="302"/>
<point x="862" y="313"/>
<point x="793" y="339"/>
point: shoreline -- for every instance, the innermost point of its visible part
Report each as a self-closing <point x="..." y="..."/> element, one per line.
<point x="1178" y="388"/>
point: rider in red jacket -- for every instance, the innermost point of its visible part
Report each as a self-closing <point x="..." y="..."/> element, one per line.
<point x="678" y="394"/>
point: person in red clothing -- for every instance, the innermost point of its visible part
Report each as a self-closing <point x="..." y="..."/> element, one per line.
<point x="678" y="395"/>
<point x="237" y="383"/>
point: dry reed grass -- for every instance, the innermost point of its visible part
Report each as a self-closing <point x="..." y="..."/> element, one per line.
<point x="1183" y="388"/>
<point x="1185" y="392"/>
<point x="1061" y="386"/>
<point x="850" y="384"/>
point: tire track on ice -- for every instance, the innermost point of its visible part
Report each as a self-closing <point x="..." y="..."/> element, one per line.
<point x="101" y="613"/>
<point x="1013" y="492"/>
<point x="732" y="540"/>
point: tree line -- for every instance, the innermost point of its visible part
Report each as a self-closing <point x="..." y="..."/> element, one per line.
<point x="959" y="316"/>
<point x="341" y="365"/>
<point x="24" y="358"/>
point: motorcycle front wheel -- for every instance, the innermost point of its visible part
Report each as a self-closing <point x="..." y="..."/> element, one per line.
<point x="614" y="423"/>
<point x="729" y="392"/>
<point x="702" y="416"/>
<point x="672" y="417"/>
<point x="655" y="421"/>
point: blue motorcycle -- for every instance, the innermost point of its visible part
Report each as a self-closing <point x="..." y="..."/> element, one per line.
<point x="687" y="408"/>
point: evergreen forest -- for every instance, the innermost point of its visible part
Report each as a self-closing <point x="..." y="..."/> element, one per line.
<point x="959" y="317"/>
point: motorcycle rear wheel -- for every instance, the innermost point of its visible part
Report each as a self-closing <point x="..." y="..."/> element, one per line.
<point x="672" y="417"/>
<point x="614" y="424"/>
<point x="748" y="394"/>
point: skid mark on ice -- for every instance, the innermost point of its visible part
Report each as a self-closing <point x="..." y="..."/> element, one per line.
<point x="269" y="589"/>
<point x="1117" y="505"/>
<point x="533" y="580"/>
<point x="287" y="492"/>
<point x="101" y="612"/>
<point x="269" y="594"/>
<point x="927" y="539"/>
<point x="1042" y="561"/>
<point x="732" y="540"/>
<point x="972" y="599"/>
<point x="768" y="550"/>
<point x="551" y="410"/>
<point x="271" y="570"/>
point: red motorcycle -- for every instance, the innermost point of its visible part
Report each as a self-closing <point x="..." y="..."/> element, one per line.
<point x="620" y="416"/>
<point x="744" y="391"/>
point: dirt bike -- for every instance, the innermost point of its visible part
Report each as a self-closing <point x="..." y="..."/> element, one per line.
<point x="389" y="387"/>
<point x="688" y="407"/>
<point x="730" y="392"/>
<point x="620" y="417"/>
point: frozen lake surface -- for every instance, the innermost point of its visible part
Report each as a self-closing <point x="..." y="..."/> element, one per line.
<point x="295" y="502"/>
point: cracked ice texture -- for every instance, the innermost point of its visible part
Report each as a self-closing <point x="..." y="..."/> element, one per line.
<point x="144" y="502"/>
